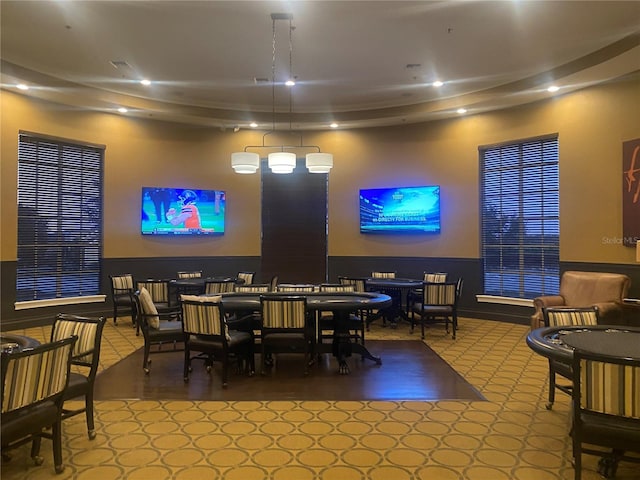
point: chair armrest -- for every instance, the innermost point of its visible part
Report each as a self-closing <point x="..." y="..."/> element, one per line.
<point x="610" y="313"/>
<point x="539" y="303"/>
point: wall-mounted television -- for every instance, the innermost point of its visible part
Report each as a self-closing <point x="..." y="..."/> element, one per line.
<point x="182" y="211"/>
<point x="400" y="209"/>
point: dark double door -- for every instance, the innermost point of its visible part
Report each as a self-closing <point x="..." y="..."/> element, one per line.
<point x="294" y="225"/>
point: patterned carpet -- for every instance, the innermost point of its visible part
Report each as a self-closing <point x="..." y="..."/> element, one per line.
<point x="511" y="436"/>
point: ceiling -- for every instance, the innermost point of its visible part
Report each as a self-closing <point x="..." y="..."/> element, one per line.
<point x="360" y="64"/>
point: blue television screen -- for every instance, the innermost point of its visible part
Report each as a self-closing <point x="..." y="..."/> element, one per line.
<point x="402" y="209"/>
<point x="182" y="211"/>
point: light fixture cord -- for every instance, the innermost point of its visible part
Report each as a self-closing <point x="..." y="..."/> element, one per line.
<point x="273" y="79"/>
<point x="290" y="72"/>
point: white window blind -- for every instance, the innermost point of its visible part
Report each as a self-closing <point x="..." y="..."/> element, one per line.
<point x="59" y="218"/>
<point x="520" y="218"/>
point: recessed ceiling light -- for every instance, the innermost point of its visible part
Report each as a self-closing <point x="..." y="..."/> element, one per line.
<point x="437" y="83"/>
<point x="461" y="110"/>
<point x="123" y="110"/>
<point x="22" y="86"/>
<point x="290" y="83"/>
<point x="253" y="124"/>
<point x="145" y="82"/>
<point x="334" y="125"/>
<point x="553" y="88"/>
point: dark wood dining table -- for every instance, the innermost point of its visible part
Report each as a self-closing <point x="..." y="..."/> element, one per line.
<point x="398" y="289"/>
<point x="558" y="343"/>
<point x="195" y="285"/>
<point x="340" y="304"/>
<point x="10" y="342"/>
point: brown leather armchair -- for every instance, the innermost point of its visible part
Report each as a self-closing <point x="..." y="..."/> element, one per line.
<point x="587" y="289"/>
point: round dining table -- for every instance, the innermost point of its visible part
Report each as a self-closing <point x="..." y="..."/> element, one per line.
<point x="398" y="289"/>
<point x="558" y="343"/>
<point x="10" y="342"/>
<point x="340" y="304"/>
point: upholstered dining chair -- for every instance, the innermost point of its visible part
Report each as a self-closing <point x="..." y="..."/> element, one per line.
<point x="159" y="328"/>
<point x="33" y="385"/>
<point x="190" y="274"/>
<point x="212" y="287"/>
<point x="563" y="316"/>
<point x="85" y="359"/>
<point x="273" y="283"/>
<point x="253" y="288"/>
<point x="158" y="289"/>
<point x="326" y="321"/>
<point x="122" y="295"/>
<point x="285" y="328"/>
<point x="606" y="410"/>
<point x="295" y="288"/>
<point x="383" y="274"/>
<point x="245" y="278"/>
<point x="415" y="295"/>
<point x="439" y="304"/>
<point x="206" y="332"/>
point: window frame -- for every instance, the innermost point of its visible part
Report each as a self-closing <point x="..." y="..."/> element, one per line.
<point x="534" y="270"/>
<point x="60" y="232"/>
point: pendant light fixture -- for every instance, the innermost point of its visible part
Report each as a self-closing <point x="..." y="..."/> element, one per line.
<point x="281" y="161"/>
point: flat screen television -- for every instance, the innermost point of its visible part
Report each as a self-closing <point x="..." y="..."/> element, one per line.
<point x="182" y="211"/>
<point x="401" y="209"/>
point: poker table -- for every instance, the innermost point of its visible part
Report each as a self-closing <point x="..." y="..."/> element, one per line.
<point x="340" y="304"/>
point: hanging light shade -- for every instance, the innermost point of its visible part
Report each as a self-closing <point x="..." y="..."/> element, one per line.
<point x="282" y="162"/>
<point x="319" y="162"/>
<point x="245" y="162"/>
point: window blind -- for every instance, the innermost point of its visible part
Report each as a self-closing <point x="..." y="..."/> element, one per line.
<point x="520" y="218"/>
<point x="59" y="218"/>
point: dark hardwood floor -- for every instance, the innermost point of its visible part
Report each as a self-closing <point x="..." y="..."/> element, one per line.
<point x="410" y="370"/>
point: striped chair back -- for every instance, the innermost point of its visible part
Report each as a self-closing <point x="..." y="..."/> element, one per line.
<point x="439" y="293"/>
<point x="35" y="375"/>
<point x="253" y="288"/>
<point x="122" y="283"/>
<point x="358" y="283"/>
<point x="195" y="274"/>
<point x="339" y="288"/>
<point x="223" y="286"/>
<point x="203" y="317"/>
<point x="86" y="351"/>
<point x="247" y="277"/>
<point x="284" y="312"/>
<point x="606" y="384"/>
<point x="383" y="274"/>
<point x="296" y="288"/>
<point x="557" y="317"/>
<point x="435" y="277"/>
<point x="610" y="388"/>
<point x="158" y="289"/>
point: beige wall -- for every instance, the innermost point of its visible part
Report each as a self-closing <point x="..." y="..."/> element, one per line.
<point x="591" y="123"/>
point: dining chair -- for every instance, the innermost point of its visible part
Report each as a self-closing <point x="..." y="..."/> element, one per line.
<point x="564" y="316"/>
<point x="190" y="274"/>
<point x="85" y="360"/>
<point x="285" y="328"/>
<point x="33" y="385"/>
<point x="295" y="288"/>
<point x="415" y="295"/>
<point x="212" y="287"/>
<point x="253" y="288"/>
<point x="326" y="321"/>
<point x="605" y="409"/>
<point x="245" y="278"/>
<point x="377" y="274"/>
<point x="158" y="289"/>
<point x="439" y="303"/>
<point x="122" y="295"/>
<point x="159" y="328"/>
<point x="206" y="331"/>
